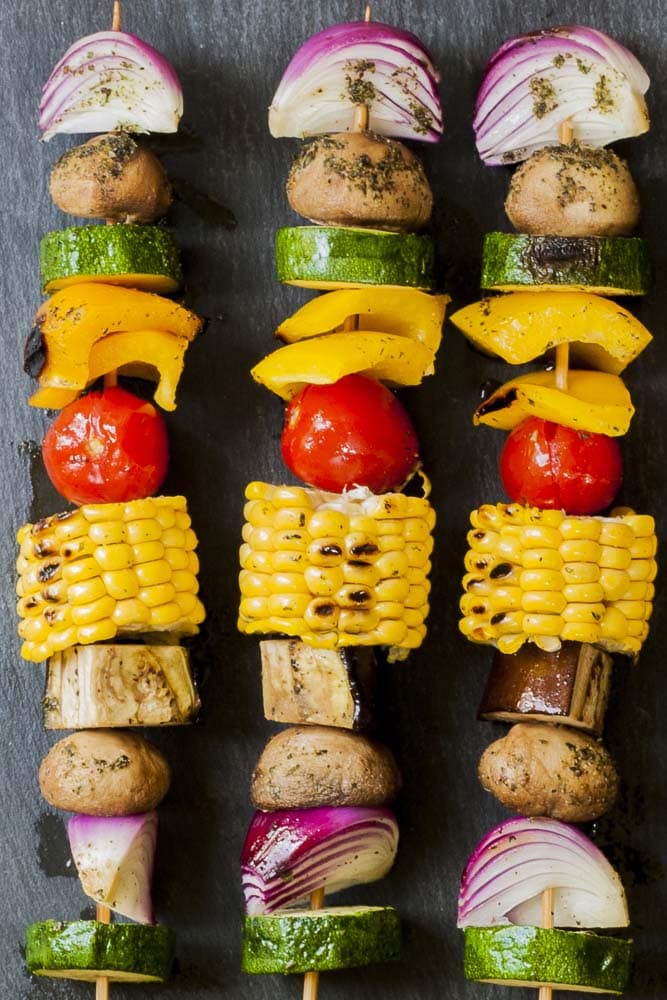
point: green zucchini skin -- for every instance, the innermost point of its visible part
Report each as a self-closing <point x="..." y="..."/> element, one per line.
<point x="608" y="265"/>
<point x="296" y="941"/>
<point x="110" y="252"/>
<point x="334" y="257"/>
<point x="79" y="949"/>
<point x="530" y="956"/>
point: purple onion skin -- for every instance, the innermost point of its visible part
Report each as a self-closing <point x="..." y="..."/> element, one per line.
<point x="276" y="838"/>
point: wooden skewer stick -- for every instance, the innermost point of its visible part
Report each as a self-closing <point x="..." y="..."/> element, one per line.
<point x="546" y="993"/>
<point x="102" y="982"/>
<point x="566" y="135"/>
<point x="311" y="979"/>
<point x="115" y="24"/>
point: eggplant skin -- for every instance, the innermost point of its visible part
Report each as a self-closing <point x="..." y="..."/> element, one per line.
<point x="544" y="770"/>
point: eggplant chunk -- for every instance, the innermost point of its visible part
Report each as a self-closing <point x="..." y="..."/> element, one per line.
<point x="109" y="685"/>
<point x="326" y="687"/>
<point x="360" y="179"/>
<point x="573" y="191"/>
<point x="104" y="772"/>
<point x="307" y="766"/>
<point x="569" y="686"/>
<point x="543" y="770"/>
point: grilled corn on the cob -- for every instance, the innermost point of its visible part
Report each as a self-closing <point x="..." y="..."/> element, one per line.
<point x="544" y="577"/>
<point x="103" y="570"/>
<point x="335" y="570"/>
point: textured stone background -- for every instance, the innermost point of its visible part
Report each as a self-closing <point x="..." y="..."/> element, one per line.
<point x="226" y="431"/>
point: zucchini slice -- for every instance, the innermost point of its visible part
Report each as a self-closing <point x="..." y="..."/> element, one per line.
<point x="338" y="937"/>
<point x="330" y="257"/>
<point x="603" y="265"/>
<point x="144" y="257"/>
<point x="516" y="955"/>
<point x="86" y="949"/>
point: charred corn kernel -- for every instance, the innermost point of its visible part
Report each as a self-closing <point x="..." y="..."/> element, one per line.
<point x="131" y="611"/>
<point x="89" y="590"/>
<point x="545" y="602"/>
<point x="165" y="615"/>
<point x="113" y="556"/>
<point x="323" y="581"/>
<point x="581" y="572"/>
<point x="614" y="558"/>
<point x="580" y="527"/>
<point x="584" y="593"/>
<point x="287" y="561"/>
<point x="148" y="551"/>
<point x="356" y="551"/>
<point x="255" y="584"/>
<point x="161" y="593"/>
<point x="541" y="559"/>
<point x="644" y="548"/>
<point x="107" y="532"/>
<point x="121" y="584"/>
<point x="580" y="550"/>
<point x="578" y="578"/>
<point x="100" y="631"/>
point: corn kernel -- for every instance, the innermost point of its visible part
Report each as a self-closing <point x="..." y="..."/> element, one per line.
<point x="180" y="559"/>
<point x="614" y="558"/>
<point x="289" y="539"/>
<point x="254" y="607"/>
<point x="324" y="581"/>
<point x="580" y="632"/>
<point x="541" y="579"/>
<point x="151" y="574"/>
<point x="580" y="527"/>
<point x="362" y="524"/>
<point x="353" y="596"/>
<point x="187" y="602"/>
<point x="110" y="557"/>
<point x="587" y="613"/>
<point x="638" y="591"/>
<point x="632" y="609"/>
<point x="107" y="532"/>
<point x="95" y="611"/>
<point x="254" y="584"/>
<point x="390" y="609"/>
<point x="165" y="615"/>
<point x="390" y="633"/>
<point x="61" y="639"/>
<point x="417" y="596"/>
<point x="100" y="631"/>
<point x="510" y="644"/>
<point x="87" y="591"/>
<point x="581" y="572"/>
<point x="326" y="551"/>
<point x="414" y="617"/>
<point x="390" y="543"/>
<point x="322" y="614"/>
<point x="34" y="629"/>
<point x="148" y="551"/>
<point x="166" y="517"/>
<point x="614" y="583"/>
<point x="584" y="593"/>
<point x="288" y="605"/>
<point x="359" y="545"/>
<point x="184" y="580"/>
<point x="483" y="541"/>
<point x="174" y="538"/>
<point x="193" y="563"/>
<point x="388" y="526"/>
<point x="539" y="536"/>
<point x="506" y="598"/>
<point x="161" y="593"/>
<point x="190" y="540"/>
<point x="644" y="548"/>
<point x="393" y="589"/>
<point x="580" y="550"/>
<point x="260" y="513"/>
<point x="510" y="621"/>
<point x="538" y="624"/>
<point x="544" y="602"/>
<point x="130" y="612"/>
<point x="362" y="574"/>
<point x="541" y="559"/>
<point x="140" y="532"/>
<point x="288" y="518"/>
<point x="641" y="569"/>
<point x="288" y="496"/>
<point x="93" y="513"/>
<point x="356" y="621"/>
<point x="288" y="561"/>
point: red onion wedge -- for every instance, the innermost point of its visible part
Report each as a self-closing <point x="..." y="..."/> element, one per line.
<point x="517" y="860"/>
<point x="359" y="62"/>
<point x="114" y="858"/>
<point x="536" y="81"/>
<point x="291" y="852"/>
<point x="111" y="80"/>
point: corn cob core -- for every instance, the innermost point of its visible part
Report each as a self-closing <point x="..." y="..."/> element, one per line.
<point x="102" y="570"/>
<point x="543" y="577"/>
<point x="335" y="570"/>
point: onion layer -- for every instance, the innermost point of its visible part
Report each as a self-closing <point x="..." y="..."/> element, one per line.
<point x="111" y="80"/>
<point x="114" y="858"/>
<point x="535" y="82"/>
<point x="291" y="852"/>
<point x="517" y="860"/>
<point x="385" y="68"/>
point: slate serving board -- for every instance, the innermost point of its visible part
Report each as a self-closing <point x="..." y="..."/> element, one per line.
<point x="226" y="432"/>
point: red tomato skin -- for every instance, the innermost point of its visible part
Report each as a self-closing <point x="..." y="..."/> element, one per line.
<point x="108" y="446"/>
<point x="555" y="467"/>
<point x="354" y="432"/>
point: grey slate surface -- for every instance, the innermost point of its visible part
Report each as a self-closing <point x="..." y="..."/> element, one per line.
<point x="226" y="431"/>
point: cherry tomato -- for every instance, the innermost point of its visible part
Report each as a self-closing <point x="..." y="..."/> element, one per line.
<point x="107" y="447"/>
<point x="551" y="466"/>
<point x="354" y="432"/>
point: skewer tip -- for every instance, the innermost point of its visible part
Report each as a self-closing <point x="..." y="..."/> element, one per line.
<point x="116" y="21"/>
<point x="368" y="14"/>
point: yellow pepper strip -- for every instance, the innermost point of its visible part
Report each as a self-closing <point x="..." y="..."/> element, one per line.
<point x="405" y="312"/>
<point x="545" y="577"/>
<point x="107" y="570"/>
<point x="71" y="321"/>
<point x="595" y="402"/>
<point x="150" y="354"/>
<point x="521" y="326"/>
<point x="336" y="570"/>
<point x="323" y="360"/>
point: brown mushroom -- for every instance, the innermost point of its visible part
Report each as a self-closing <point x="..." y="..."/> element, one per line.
<point x="573" y="191"/>
<point x="544" y="770"/>
<point x="307" y="766"/>
<point x="111" y="177"/>
<point x="360" y="179"/>
<point x="104" y="772"/>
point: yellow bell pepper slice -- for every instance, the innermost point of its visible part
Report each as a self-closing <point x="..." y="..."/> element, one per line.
<point x="74" y="319"/>
<point x="150" y="354"/>
<point x="323" y="360"/>
<point x="521" y="326"/>
<point x="594" y="401"/>
<point x="406" y="312"/>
